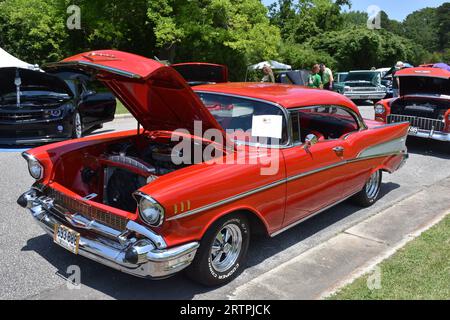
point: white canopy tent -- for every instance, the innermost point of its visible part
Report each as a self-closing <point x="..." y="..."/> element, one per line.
<point x="9" y="61"/>
<point x="272" y="64"/>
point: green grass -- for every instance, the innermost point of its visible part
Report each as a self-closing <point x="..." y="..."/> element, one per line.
<point x="420" y="270"/>
<point x="120" y="109"/>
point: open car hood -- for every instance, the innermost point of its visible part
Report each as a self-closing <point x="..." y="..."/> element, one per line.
<point x="157" y="96"/>
<point x="416" y="81"/>
<point x="196" y="73"/>
<point x="31" y="81"/>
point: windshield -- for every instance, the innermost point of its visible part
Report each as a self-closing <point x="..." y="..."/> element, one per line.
<point x="32" y="85"/>
<point x="27" y="92"/>
<point x="373" y="77"/>
<point x="247" y="120"/>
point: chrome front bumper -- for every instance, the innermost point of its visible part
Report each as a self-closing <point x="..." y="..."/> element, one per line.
<point x="137" y="251"/>
<point x="430" y="134"/>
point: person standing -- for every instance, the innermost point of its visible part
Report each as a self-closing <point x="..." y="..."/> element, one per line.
<point x="395" y="81"/>
<point x="327" y="77"/>
<point x="315" y="81"/>
<point x="268" y="74"/>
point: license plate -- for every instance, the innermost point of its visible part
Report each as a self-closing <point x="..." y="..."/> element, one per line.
<point x="66" y="238"/>
<point x="413" y="130"/>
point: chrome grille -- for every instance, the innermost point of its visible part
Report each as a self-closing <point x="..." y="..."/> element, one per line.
<point x="419" y="122"/>
<point x="368" y="89"/>
<point x="22" y="116"/>
<point x="93" y="213"/>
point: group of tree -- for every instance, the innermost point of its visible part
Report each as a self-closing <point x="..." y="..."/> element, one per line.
<point x="232" y="32"/>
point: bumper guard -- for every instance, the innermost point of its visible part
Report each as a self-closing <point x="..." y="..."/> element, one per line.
<point x="146" y="256"/>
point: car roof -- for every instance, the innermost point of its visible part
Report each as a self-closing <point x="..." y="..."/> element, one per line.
<point x="285" y="95"/>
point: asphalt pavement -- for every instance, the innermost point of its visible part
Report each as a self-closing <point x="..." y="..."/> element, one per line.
<point x="32" y="267"/>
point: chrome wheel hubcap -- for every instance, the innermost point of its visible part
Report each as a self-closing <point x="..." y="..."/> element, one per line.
<point x="373" y="185"/>
<point x="226" y="248"/>
<point x="78" y="128"/>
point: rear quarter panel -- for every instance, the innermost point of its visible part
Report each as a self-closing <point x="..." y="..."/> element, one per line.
<point x="381" y="147"/>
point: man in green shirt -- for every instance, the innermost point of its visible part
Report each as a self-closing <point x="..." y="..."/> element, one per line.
<point x="315" y="81"/>
<point x="327" y="77"/>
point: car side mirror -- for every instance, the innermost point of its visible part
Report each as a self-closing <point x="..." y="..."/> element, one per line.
<point x="310" y="140"/>
<point x="88" y="93"/>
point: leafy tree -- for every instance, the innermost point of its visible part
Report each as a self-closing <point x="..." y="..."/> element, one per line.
<point x="421" y="26"/>
<point x="354" y="18"/>
<point x="33" y="30"/>
<point x="443" y="23"/>
<point x="233" y="32"/>
<point x="393" y="26"/>
<point x="361" y="48"/>
<point x="303" y="19"/>
<point x="304" y="57"/>
<point x="120" y="25"/>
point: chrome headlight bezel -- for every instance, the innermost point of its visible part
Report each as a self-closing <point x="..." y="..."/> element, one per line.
<point x="150" y="211"/>
<point x="35" y="168"/>
<point x="379" y="109"/>
<point x="54" y="113"/>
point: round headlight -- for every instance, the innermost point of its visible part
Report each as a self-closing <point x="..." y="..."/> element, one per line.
<point x="347" y="88"/>
<point x="151" y="211"/>
<point x="379" y="109"/>
<point x="34" y="167"/>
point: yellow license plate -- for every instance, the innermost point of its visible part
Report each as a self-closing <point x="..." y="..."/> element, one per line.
<point x="66" y="238"/>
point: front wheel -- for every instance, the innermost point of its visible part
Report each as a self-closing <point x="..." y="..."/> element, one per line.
<point x="77" y="126"/>
<point x="369" y="194"/>
<point x="222" y="251"/>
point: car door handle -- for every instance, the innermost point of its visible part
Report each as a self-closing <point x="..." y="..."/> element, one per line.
<point x="339" y="151"/>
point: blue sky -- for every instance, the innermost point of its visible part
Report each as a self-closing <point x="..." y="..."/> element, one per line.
<point x="396" y="9"/>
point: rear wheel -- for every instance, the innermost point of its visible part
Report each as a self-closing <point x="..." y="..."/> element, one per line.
<point x="369" y="194"/>
<point x="222" y="251"/>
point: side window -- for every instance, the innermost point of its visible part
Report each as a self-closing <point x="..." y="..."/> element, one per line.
<point x="326" y="122"/>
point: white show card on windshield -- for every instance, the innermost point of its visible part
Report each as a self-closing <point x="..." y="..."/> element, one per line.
<point x="269" y="126"/>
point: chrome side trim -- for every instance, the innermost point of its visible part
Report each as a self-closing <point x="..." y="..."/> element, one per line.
<point x="308" y="173"/>
<point x="390" y="125"/>
<point x="310" y="216"/>
<point x="279" y="182"/>
<point x="227" y="200"/>
<point x="396" y="145"/>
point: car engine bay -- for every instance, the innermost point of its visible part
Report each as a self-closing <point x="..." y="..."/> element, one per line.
<point x="111" y="173"/>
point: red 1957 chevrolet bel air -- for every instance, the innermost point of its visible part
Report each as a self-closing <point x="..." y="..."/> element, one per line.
<point x="123" y="199"/>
